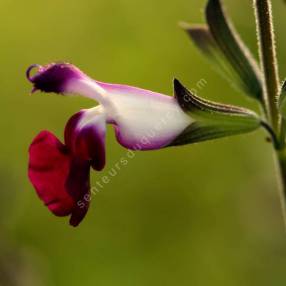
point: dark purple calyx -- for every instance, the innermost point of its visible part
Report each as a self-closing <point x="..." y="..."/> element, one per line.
<point x="53" y="77"/>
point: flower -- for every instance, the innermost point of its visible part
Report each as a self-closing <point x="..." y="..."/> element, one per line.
<point x="60" y="172"/>
<point x="142" y="119"/>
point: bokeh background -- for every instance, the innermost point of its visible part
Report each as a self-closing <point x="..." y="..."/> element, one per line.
<point x="205" y="214"/>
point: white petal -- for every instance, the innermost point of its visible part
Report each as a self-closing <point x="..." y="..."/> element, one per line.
<point x="144" y="120"/>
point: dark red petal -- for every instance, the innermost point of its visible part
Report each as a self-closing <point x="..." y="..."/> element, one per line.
<point x="60" y="179"/>
<point x="87" y="139"/>
<point x="90" y="142"/>
<point x="70" y="129"/>
<point x="49" y="168"/>
<point x="78" y="186"/>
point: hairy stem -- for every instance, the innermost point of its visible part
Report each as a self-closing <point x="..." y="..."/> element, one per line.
<point x="281" y="155"/>
<point x="268" y="58"/>
<point x="267" y="48"/>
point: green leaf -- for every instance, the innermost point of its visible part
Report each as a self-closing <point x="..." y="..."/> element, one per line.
<point x="234" y="49"/>
<point x="211" y="120"/>
<point x="282" y="107"/>
<point x="220" y="40"/>
<point x="284" y="87"/>
<point x="201" y="36"/>
<point x="203" y="39"/>
<point x="282" y="98"/>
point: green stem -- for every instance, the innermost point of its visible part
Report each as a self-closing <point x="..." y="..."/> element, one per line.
<point x="281" y="155"/>
<point x="269" y="65"/>
<point x="268" y="58"/>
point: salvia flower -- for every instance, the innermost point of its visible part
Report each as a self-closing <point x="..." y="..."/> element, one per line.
<point x="142" y="119"/>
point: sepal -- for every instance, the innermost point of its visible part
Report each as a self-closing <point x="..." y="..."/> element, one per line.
<point x="211" y="120"/>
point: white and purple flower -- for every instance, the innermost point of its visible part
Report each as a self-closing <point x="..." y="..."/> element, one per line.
<point x="60" y="172"/>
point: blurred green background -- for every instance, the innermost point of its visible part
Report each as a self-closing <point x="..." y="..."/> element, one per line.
<point x="199" y="215"/>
